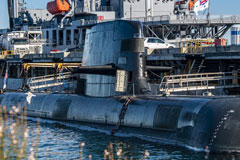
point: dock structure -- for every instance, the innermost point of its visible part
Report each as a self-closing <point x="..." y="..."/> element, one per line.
<point x="169" y="28"/>
<point x="218" y="54"/>
<point x="174" y="28"/>
<point x="194" y="70"/>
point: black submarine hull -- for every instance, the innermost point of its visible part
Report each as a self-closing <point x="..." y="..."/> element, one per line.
<point x="198" y="122"/>
<point x="212" y="123"/>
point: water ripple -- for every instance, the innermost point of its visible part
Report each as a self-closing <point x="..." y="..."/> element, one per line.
<point x="62" y="140"/>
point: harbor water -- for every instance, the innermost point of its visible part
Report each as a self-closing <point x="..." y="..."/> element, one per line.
<point x="66" y="140"/>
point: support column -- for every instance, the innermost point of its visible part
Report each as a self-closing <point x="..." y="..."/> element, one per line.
<point x="57" y="36"/>
<point x="45" y="71"/>
<point x="64" y="37"/>
<point x="32" y="73"/>
<point x="72" y="36"/>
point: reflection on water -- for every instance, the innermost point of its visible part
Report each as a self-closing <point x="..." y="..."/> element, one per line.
<point x="60" y="140"/>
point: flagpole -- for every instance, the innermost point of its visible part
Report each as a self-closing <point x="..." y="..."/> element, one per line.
<point x="208" y="15"/>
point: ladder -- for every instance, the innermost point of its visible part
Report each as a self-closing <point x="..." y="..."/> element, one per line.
<point x="196" y="66"/>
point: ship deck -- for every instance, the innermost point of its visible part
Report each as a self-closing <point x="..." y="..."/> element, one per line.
<point x="208" y="53"/>
<point x="212" y="20"/>
<point x="173" y="54"/>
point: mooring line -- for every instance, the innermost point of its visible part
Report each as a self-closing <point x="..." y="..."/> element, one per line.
<point x="121" y="115"/>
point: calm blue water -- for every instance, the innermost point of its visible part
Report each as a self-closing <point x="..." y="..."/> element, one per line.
<point x="62" y="140"/>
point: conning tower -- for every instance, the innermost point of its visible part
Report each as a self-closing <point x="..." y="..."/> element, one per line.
<point x="106" y="45"/>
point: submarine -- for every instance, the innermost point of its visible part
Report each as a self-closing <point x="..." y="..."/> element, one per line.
<point x="114" y="91"/>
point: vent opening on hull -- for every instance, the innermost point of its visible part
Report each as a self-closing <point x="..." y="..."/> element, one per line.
<point x="166" y="117"/>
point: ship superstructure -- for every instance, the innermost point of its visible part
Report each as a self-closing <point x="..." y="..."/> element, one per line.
<point x="24" y="42"/>
<point x="171" y="21"/>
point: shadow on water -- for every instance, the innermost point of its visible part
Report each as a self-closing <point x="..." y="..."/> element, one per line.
<point x="62" y="140"/>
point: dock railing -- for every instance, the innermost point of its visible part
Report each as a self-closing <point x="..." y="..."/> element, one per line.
<point x="5" y="53"/>
<point x="36" y="28"/>
<point x="37" y="41"/>
<point x="196" y="46"/>
<point x="201" y="81"/>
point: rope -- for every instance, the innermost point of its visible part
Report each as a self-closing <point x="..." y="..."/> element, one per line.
<point x="121" y="115"/>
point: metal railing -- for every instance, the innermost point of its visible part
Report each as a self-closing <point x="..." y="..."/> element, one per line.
<point x="105" y="8"/>
<point x="205" y="19"/>
<point x="37" y="28"/>
<point x="213" y="18"/>
<point x="79" y="10"/>
<point x="196" y="46"/>
<point x="37" y="41"/>
<point x="152" y="18"/>
<point x="201" y="81"/>
<point x="5" y="53"/>
<point x="218" y="17"/>
<point x="31" y="41"/>
<point x="36" y="83"/>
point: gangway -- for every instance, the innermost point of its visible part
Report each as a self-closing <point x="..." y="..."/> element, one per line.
<point x="43" y="82"/>
<point x="200" y="81"/>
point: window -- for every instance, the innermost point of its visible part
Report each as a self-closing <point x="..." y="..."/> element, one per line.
<point x="150" y="40"/>
<point x="68" y="39"/>
<point x="159" y="41"/>
<point x="76" y="36"/>
<point x="20" y="41"/>
<point x="83" y="34"/>
<point x="60" y="37"/>
<point x="47" y="37"/>
<point x="54" y="37"/>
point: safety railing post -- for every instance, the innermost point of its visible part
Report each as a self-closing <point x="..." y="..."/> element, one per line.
<point x="173" y="82"/>
<point x="133" y="90"/>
